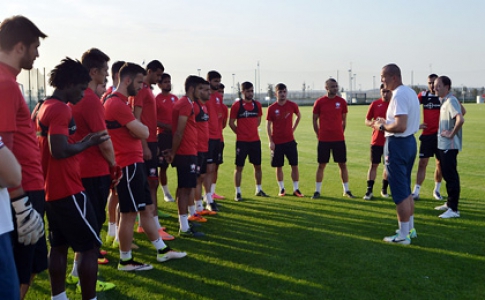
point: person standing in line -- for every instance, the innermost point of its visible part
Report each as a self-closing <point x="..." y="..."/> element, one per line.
<point x="280" y="128"/>
<point x="244" y="121"/>
<point x="450" y="142"/>
<point x="19" y="43"/>
<point x="220" y="153"/>
<point x="115" y="76"/>
<point x="329" y="121"/>
<point x="377" y="109"/>
<point x="165" y="101"/>
<point x="400" y="125"/>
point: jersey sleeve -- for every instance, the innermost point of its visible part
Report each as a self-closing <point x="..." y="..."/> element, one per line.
<point x="122" y="113"/>
<point x="10" y="106"/>
<point x="370" y="112"/>
<point x="138" y="100"/>
<point x="234" y="109"/>
<point x="60" y="117"/>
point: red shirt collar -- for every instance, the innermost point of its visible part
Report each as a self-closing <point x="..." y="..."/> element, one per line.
<point x="13" y="71"/>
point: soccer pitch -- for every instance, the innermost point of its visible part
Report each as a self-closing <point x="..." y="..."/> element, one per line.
<point x="331" y="248"/>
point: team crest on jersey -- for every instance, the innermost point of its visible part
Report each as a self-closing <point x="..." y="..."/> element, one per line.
<point x="217" y="100"/>
<point x="277" y="112"/>
<point x="337" y="105"/>
<point x="173" y="99"/>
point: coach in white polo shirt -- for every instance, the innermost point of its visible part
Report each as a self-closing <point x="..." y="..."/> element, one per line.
<point x="401" y="123"/>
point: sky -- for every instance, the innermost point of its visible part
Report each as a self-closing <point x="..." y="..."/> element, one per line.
<point x="295" y="42"/>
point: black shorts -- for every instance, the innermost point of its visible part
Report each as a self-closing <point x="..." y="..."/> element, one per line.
<point x="186" y="170"/>
<point x="428" y="146"/>
<point x="245" y="149"/>
<point x="201" y="163"/>
<point x="31" y="259"/>
<point x="72" y="222"/>
<point x="286" y="149"/>
<point x="164" y="143"/>
<point x="97" y="189"/>
<point x="220" y="154"/>
<point x="151" y="165"/>
<point x="376" y="154"/>
<point x="213" y="154"/>
<point x="133" y="190"/>
<point x="338" y="149"/>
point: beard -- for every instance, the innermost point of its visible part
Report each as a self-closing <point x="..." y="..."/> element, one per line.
<point x="26" y="62"/>
<point x="131" y="90"/>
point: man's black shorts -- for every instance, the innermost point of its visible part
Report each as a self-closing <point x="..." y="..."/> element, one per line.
<point x="220" y="154"/>
<point x="97" y="189"/>
<point x="152" y="164"/>
<point x="245" y="149"/>
<point x="376" y="154"/>
<point x="213" y="154"/>
<point x="186" y="170"/>
<point x="133" y="190"/>
<point x="428" y="146"/>
<point x="338" y="149"/>
<point x="164" y="143"/>
<point x="286" y="149"/>
<point x="72" y="222"/>
<point x="201" y="163"/>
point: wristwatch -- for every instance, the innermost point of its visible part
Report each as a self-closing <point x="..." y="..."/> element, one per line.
<point x="381" y="128"/>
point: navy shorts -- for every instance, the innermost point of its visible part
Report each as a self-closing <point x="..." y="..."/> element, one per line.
<point x="428" y="146"/>
<point x="133" y="190"/>
<point x="186" y="170"/>
<point x="400" y="153"/>
<point x="376" y="154"/>
<point x="152" y="164"/>
<point x="338" y="149"/>
<point x="164" y="143"/>
<point x="72" y="222"/>
<point x="9" y="282"/>
<point x="286" y="149"/>
<point x="201" y="163"/>
<point x="245" y="149"/>
<point x="97" y="189"/>
<point x="30" y="259"/>
<point x="213" y="154"/>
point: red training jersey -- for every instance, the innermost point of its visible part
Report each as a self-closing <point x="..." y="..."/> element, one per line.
<point x="117" y="114"/>
<point x="330" y="113"/>
<point x="164" y="110"/>
<point x="108" y="92"/>
<point x="62" y="176"/>
<point x="146" y="100"/>
<point x="282" y="118"/>
<point x="215" y="111"/>
<point x="248" y="115"/>
<point x="185" y="107"/>
<point x="202" y="123"/>
<point x="15" y="118"/>
<point x="431" y="112"/>
<point x="89" y="117"/>
<point x="377" y="109"/>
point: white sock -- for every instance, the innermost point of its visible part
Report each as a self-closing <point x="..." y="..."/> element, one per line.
<point x="184" y="222"/>
<point x="166" y="191"/>
<point x="74" y="269"/>
<point x="411" y="222"/>
<point x="158" y="244"/>
<point x="346" y="186"/>
<point x="403" y="229"/>
<point x="416" y="189"/>
<point x="281" y="184"/>
<point x="139" y="220"/>
<point x="208" y="198"/>
<point x="192" y="210"/>
<point x="213" y="188"/>
<point x="111" y="229"/>
<point x="238" y="189"/>
<point x="437" y="186"/>
<point x="157" y="222"/>
<point x="318" y="186"/>
<point x="61" y="296"/>
<point x="125" y="255"/>
<point x="295" y="185"/>
<point x="199" y="205"/>
<point x="258" y="188"/>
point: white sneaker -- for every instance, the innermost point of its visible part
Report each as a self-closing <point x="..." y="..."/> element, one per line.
<point x="386" y="195"/>
<point x="396" y="240"/>
<point x="168" y="198"/>
<point x="437" y="195"/>
<point x="368" y="196"/>
<point x="450" y="214"/>
<point x="415" y="196"/>
<point x="442" y="207"/>
<point x="163" y="257"/>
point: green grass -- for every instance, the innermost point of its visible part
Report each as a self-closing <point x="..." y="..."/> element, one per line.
<point x="298" y="248"/>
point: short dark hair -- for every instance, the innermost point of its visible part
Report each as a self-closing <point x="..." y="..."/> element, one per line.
<point x="164" y="76"/>
<point x="68" y="72"/>
<point x="330" y="80"/>
<point x="246" y="85"/>
<point x="115" y="68"/>
<point x="280" y="86"/>
<point x="221" y="86"/>
<point x="94" y="59"/>
<point x="194" y="81"/>
<point x="213" y="75"/>
<point x="18" y="29"/>
<point x="433" y="75"/>
<point x="154" y="65"/>
<point x="446" y="81"/>
<point x="131" y="70"/>
<point x="393" y="70"/>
